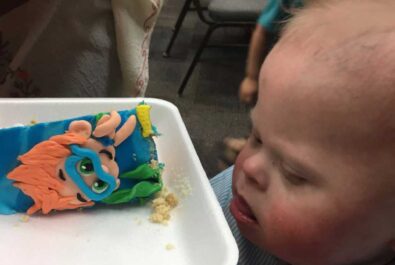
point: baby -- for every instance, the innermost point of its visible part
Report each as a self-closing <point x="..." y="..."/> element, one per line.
<point x="315" y="184"/>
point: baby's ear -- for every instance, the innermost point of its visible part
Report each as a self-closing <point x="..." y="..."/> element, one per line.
<point x="82" y="128"/>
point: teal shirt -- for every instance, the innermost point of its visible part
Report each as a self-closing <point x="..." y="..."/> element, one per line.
<point x="276" y="12"/>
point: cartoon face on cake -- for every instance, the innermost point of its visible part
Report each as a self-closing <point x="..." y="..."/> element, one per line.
<point x="90" y="173"/>
<point x="74" y="169"/>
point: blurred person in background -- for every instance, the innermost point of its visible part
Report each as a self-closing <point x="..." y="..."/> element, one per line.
<point x="273" y="17"/>
<point x="90" y="48"/>
<point x="266" y="33"/>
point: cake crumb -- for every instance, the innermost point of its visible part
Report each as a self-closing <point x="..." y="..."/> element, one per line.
<point x="171" y="200"/>
<point x="180" y="183"/>
<point x="24" y="218"/>
<point x="157" y="218"/>
<point x="170" y="246"/>
<point x="154" y="163"/>
<point x="162" y="206"/>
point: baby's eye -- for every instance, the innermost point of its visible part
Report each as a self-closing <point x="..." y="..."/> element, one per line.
<point x="293" y="178"/>
<point x="99" y="186"/>
<point x="85" y="167"/>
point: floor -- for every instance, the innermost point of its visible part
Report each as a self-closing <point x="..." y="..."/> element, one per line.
<point x="209" y="107"/>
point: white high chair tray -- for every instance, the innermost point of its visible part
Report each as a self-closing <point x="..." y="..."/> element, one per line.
<point x="197" y="233"/>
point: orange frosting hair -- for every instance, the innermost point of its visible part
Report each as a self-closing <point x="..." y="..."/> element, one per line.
<point x="37" y="175"/>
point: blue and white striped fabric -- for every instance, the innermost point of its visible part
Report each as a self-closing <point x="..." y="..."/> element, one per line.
<point x="249" y="254"/>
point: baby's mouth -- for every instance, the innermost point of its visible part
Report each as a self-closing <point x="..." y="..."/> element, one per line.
<point x="241" y="211"/>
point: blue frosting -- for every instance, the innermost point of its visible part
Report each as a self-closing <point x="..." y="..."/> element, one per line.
<point x="131" y="153"/>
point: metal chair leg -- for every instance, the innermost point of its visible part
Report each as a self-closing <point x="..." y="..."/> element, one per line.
<point x="177" y="27"/>
<point x="203" y="45"/>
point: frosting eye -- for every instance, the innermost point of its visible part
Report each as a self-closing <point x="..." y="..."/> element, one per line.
<point x="85" y="167"/>
<point x="99" y="186"/>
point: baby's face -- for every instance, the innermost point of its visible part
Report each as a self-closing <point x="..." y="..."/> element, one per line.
<point x="308" y="186"/>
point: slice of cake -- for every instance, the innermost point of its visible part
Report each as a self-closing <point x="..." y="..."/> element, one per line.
<point x="107" y="158"/>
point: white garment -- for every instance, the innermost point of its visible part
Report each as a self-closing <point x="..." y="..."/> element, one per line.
<point x="74" y="48"/>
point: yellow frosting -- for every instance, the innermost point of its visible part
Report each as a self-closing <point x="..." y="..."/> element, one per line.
<point x="143" y="114"/>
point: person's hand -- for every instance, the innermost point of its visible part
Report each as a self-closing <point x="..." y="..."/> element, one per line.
<point x="248" y="90"/>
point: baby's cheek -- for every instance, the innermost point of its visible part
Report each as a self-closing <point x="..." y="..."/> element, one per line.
<point x="238" y="165"/>
<point x="296" y="235"/>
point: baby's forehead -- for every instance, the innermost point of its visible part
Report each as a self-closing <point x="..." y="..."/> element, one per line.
<point x="339" y="19"/>
<point x="344" y="47"/>
<point x="333" y="68"/>
<point x="354" y="81"/>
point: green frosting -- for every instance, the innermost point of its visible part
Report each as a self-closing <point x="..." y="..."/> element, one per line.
<point x="142" y="172"/>
<point x="99" y="115"/>
<point x="150" y="183"/>
<point x="141" y="190"/>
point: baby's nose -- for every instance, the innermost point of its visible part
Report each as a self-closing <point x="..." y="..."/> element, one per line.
<point x="256" y="169"/>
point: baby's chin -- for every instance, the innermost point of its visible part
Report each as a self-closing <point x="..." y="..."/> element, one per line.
<point x="256" y="237"/>
<point x="251" y="230"/>
<point x="294" y="256"/>
<point x="252" y="235"/>
<point x="277" y="247"/>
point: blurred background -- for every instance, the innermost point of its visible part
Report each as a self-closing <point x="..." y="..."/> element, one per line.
<point x="209" y="106"/>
